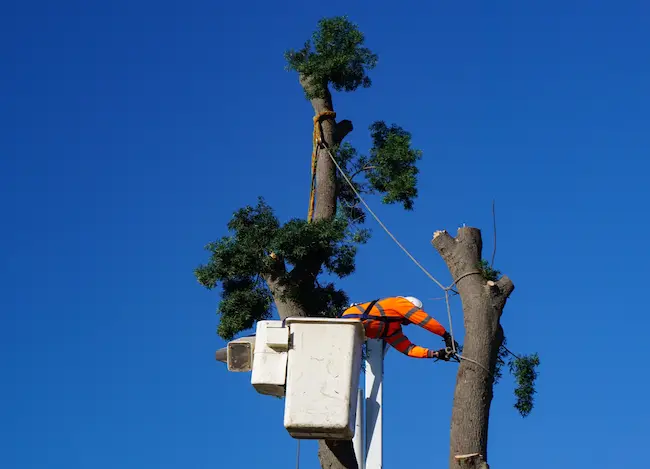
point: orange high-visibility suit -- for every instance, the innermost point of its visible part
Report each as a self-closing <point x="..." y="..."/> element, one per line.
<point x="383" y="319"/>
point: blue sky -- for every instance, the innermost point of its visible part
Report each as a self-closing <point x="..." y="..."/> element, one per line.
<point x="132" y="130"/>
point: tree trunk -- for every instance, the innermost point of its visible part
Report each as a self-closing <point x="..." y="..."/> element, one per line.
<point x="332" y="134"/>
<point x="286" y="307"/>
<point x="331" y="454"/>
<point x="483" y="302"/>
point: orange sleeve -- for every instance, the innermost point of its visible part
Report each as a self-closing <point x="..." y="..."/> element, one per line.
<point x="422" y="319"/>
<point x="401" y="343"/>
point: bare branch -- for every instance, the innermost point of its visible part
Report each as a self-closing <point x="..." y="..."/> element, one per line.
<point x="365" y="168"/>
<point x="443" y="241"/>
<point x="509" y="351"/>
<point x="342" y="129"/>
<point x="462" y="254"/>
<point x="502" y="287"/>
<point x="506" y="286"/>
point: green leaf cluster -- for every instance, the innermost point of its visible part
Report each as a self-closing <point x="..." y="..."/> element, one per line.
<point x="392" y="161"/>
<point x="242" y="261"/>
<point x="389" y="169"/>
<point x="335" y="55"/>
<point x="296" y="254"/>
<point x="524" y="370"/>
<point x="488" y="272"/>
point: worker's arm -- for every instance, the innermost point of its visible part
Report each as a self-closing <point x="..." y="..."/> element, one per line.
<point x="401" y="343"/>
<point x="422" y="319"/>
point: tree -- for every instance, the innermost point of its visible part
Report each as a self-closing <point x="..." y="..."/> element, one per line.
<point x="483" y="293"/>
<point x="264" y="265"/>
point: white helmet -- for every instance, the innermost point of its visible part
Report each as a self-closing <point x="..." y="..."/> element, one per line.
<point x="413" y="300"/>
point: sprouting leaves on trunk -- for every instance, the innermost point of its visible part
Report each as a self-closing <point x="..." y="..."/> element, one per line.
<point x="335" y="56"/>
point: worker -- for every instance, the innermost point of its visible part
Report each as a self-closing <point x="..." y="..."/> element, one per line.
<point x="384" y="318"/>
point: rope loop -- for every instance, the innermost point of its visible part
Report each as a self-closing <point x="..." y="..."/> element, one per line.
<point x="317" y="141"/>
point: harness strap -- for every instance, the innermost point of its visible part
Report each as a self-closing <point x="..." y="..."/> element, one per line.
<point x="366" y="315"/>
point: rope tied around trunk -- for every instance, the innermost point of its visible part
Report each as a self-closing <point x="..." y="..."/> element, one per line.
<point x="317" y="140"/>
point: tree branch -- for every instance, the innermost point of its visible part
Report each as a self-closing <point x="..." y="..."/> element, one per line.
<point x="482" y="303"/>
<point x="278" y="268"/>
<point x="365" y="168"/>
<point x="443" y="242"/>
<point x="501" y="289"/>
<point x="462" y="254"/>
<point x="342" y="129"/>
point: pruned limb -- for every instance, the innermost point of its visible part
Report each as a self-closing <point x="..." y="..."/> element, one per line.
<point x="501" y="289"/>
<point x="359" y="171"/>
<point x="475" y="460"/>
<point x="343" y="128"/>
<point x="462" y="254"/>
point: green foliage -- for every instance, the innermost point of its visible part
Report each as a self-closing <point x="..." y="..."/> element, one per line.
<point x="237" y="262"/>
<point x="523" y="368"/>
<point x="242" y="254"/>
<point x="327" y="241"/>
<point x="321" y="300"/>
<point x="488" y="272"/>
<point x="244" y="301"/>
<point x="353" y="165"/>
<point x="525" y="371"/>
<point x="392" y="162"/>
<point x="335" y="55"/>
<point x="389" y="170"/>
<point x="501" y="360"/>
<point x="240" y="261"/>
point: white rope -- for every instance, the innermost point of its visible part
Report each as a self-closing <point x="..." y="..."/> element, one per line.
<point x="379" y="221"/>
<point x="446" y="289"/>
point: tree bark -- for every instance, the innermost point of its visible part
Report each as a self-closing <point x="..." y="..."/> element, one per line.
<point x="332" y="134"/>
<point x="483" y="302"/>
<point x="286" y="307"/>
<point x="331" y="454"/>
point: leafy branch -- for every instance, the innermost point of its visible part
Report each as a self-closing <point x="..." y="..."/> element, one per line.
<point x="335" y="55"/>
<point x="524" y="370"/>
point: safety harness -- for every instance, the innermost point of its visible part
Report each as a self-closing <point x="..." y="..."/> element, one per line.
<point x="386" y="319"/>
<point x="366" y="315"/>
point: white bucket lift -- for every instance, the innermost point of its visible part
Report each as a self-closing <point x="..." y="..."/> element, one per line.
<point x="315" y="363"/>
<point x="270" y="358"/>
<point x="323" y="377"/>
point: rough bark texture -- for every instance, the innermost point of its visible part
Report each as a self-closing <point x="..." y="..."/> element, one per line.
<point x="332" y="454"/>
<point x="286" y="307"/>
<point x="333" y="134"/>
<point x="337" y="455"/>
<point x="483" y="302"/>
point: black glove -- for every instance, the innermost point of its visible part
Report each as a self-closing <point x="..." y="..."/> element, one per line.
<point x="442" y="354"/>
<point x="448" y="342"/>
